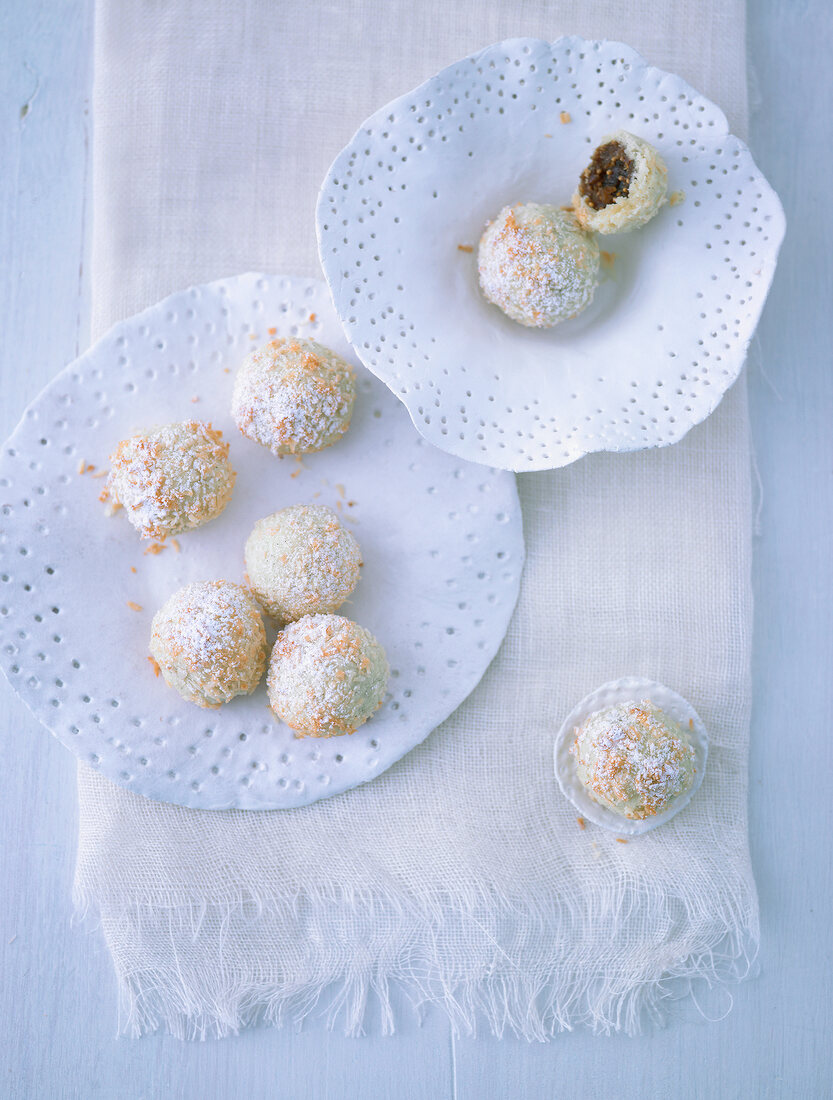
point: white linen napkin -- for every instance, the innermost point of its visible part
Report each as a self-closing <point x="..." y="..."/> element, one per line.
<point x="462" y="872"/>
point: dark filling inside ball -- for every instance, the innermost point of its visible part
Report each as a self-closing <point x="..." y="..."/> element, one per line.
<point x="607" y="176"/>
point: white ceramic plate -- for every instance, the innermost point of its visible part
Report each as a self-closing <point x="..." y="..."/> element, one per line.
<point x="622" y="691"/>
<point x="667" y="332"/>
<point x="441" y="542"/>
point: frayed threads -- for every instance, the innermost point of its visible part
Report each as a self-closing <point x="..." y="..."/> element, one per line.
<point x="518" y="968"/>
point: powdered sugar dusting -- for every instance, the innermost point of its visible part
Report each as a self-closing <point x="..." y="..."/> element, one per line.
<point x="293" y="396"/>
<point x="209" y="642"/>
<point x="537" y="265"/>
<point x="327" y="676"/>
<point x="634" y="758"/>
<point x="171" y="479"/>
<point x="301" y="561"/>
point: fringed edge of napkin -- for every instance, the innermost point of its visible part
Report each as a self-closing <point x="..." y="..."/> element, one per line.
<point x="200" y="993"/>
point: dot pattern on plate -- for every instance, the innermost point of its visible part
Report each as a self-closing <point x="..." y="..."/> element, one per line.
<point x="441" y="541"/>
<point x="667" y="332"/>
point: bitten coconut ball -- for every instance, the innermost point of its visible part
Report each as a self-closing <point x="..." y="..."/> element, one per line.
<point x="622" y="187"/>
<point x="301" y="561"/>
<point x="634" y="759"/>
<point x="171" y="479"/>
<point x="327" y="676"/>
<point x="537" y="265"/>
<point x="209" y="643"/>
<point x="294" y="396"/>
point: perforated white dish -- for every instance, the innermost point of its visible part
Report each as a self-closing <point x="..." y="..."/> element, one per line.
<point x="623" y="691"/>
<point x="441" y="541"/>
<point x="667" y="332"/>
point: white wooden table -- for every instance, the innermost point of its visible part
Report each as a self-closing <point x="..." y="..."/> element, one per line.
<point x="58" y="1015"/>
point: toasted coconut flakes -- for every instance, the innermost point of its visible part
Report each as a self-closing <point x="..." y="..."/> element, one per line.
<point x="210" y="643"/>
<point x="155" y="664"/>
<point x="134" y="606"/>
<point x="155" y="548"/>
<point x="536" y="264"/>
<point x="676" y="197"/>
<point x="580" y="821"/>
<point x="175" y="544"/>
<point x="132" y="568"/>
<point x="564" y="118"/>
<point x="300" y="560"/>
<point x="465" y="248"/>
<point x="293" y="396"/>
<point x="112" y="505"/>
<point x="312" y="317"/>
<point x="272" y="331"/>
<point x="621" y="840"/>
<point x="304" y="685"/>
<point x="633" y="758"/>
<point x="173" y="478"/>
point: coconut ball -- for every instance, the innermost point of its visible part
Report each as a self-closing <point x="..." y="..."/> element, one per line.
<point x="209" y="643"/>
<point x="171" y="479"/>
<point x="293" y="396"/>
<point x="301" y="561"/>
<point x="622" y="187"/>
<point x="327" y="676"/>
<point x="634" y="759"/>
<point x="537" y="265"/>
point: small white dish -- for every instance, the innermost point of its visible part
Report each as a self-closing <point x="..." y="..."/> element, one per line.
<point x="667" y="332"/>
<point x="622" y="691"/>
